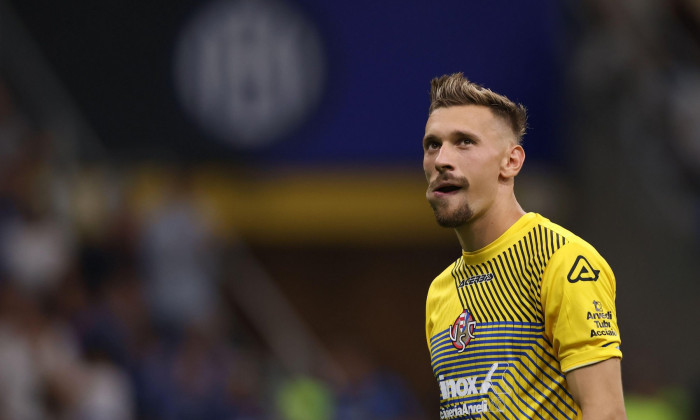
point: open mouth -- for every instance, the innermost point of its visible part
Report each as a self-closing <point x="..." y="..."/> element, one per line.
<point x="447" y="189"/>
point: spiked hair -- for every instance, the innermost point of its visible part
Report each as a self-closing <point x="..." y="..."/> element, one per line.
<point x="455" y="89"/>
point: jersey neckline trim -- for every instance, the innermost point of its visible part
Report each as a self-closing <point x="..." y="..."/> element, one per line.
<point x="485" y="253"/>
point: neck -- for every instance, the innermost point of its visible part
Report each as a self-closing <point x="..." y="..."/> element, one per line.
<point x="485" y="228"/>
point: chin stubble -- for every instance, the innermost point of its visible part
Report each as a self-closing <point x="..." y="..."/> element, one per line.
<point x="456" y="218"/>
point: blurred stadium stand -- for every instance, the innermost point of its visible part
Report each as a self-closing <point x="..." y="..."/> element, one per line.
<point x="157" y="263"/>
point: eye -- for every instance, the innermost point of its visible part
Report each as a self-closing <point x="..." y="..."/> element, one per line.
<point x="431" y="145"/>
<point x="466" y="141"/>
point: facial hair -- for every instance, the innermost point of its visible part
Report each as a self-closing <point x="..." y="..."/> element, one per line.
<point x="446" y="217"/>
<point x="456" y="218"/>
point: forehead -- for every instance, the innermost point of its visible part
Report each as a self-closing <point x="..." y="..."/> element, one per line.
<point x="475" y="119"/>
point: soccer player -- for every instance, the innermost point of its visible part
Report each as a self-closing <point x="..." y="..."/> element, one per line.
<point x="523" y="324"/>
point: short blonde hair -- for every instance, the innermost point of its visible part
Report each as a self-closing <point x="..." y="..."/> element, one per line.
<point x="455" y="89"/>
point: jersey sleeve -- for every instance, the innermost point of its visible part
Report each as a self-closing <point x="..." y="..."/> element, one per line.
<point x="578" y="301"/>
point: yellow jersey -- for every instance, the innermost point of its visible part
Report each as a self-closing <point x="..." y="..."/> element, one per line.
<point x="505" y="323"/>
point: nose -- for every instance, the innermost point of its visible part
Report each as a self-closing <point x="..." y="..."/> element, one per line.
<point x="444" y="159"/>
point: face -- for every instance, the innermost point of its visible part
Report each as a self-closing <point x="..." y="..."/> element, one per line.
<point x="465" y="149"/>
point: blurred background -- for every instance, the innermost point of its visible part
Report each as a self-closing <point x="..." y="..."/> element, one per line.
<point x="215" y="209"/>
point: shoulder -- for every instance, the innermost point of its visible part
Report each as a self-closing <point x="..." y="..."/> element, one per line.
<point x="443" y="282"/>
<point x="573" y="259"/>
<point x="445" y="276"/>
<point x="441" y="300"/>
<point x="572" y="244"/>
<point x="576" y="264"/>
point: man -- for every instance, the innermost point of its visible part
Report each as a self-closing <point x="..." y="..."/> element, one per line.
<point x="523" y="324"/>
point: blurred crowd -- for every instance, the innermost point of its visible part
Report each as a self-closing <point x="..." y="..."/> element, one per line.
<point x="634" y="91"/>
<point x="109" y="311"/>
<point x="108" y="314"/>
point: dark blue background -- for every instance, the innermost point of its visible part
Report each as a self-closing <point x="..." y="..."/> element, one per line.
<point x="116" y="58"/>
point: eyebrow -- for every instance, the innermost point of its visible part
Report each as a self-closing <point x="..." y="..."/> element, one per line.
<point x="452" y="134"/>
<point x="462" y="134"/>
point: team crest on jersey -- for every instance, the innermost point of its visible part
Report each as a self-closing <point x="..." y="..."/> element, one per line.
<point x="462" y="331"/>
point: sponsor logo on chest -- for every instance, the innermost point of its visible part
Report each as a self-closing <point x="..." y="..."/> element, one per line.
<point x="481" y="278"/>
<point x="466" y="385"/>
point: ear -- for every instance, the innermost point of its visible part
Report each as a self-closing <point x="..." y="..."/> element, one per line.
<point x="512" y="162"/>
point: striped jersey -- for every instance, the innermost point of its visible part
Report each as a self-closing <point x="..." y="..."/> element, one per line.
<point x="505" y="323"/>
